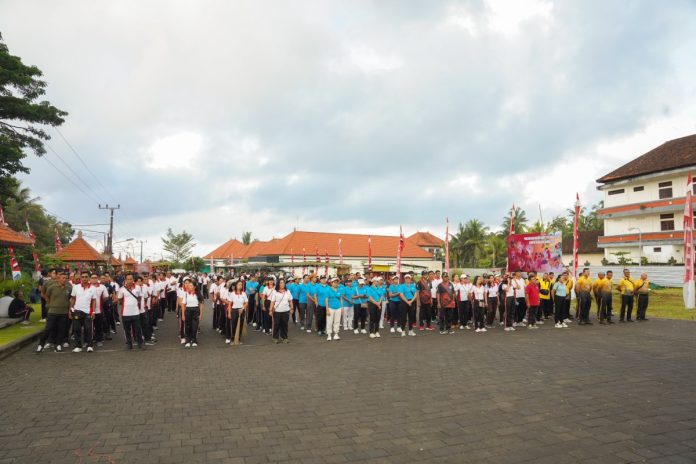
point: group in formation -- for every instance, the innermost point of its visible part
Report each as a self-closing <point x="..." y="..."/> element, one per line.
<point x="85" y="309"/>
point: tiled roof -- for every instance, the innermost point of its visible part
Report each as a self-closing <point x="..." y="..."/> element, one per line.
<point x="79" y="250"/>
<point x="677" y="153"/>
<point x="9" y="237"/>
<point x="115" y="261"/>
<point x="587" y="243"/>
<point x="130" y="260"/>
<point x="351" y="245"/>
<point x="232" y="247"/>
<point x="426" y="239"/>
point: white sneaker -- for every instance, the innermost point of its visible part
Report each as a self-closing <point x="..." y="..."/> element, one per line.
<point x="228" y="341"/>
<point x="533" y="327"/>
<point x="59" y="348"/>
<point x="253" y="324"/>
<point x="399" y="330"/>
<point x="524" y="320"/>
<point x="194" y="344"/>
<point x="381" y="326"/>
<point x="558" y="325"/>
<point x="77" y="349"/>
<point x="188" y="345"/>
<point x="566" y="321"/>
<point x="540" y="322"/>
<point x="484" y="330"/>
<point x="377" y="335"/>
<point x="301" y="327"/>
<point x="39" y="349"/>
<point x="468" y="327"/>
<point x="66" y="345"/>
<point x="328" y="339"/>
<point x="183" y="340"/>
<point x="564" y="325"/>
<point x="403" y="334"/>
<point x="336" y="337"/>
<point x="118" y="322"/>
<point x="461" y="327"/>
<point x="90" y="349"/>
<point x="478" y="330"/>
<point x="392" y="330"/>
<point x="507" y="329"/>
<point x="356" y="331"/>
<point x="372" y="335"/>
<point x="363" y="331"/>
<point x="309" y="331"/>
<point x="42" y="320"/>
<point x="411" y="333"/>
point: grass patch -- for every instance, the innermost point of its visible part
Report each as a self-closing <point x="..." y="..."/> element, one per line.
<point x="666" y="303"/>
<point x="16" y="331"/>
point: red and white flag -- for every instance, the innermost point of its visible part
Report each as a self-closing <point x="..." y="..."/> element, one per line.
<point x="57" y="239"/>
<point x="575" y="235"/>
<point x="316" y="266"/>
<point x="399" y="249"/>
<point x="304" y="260"/>
<point x="447" y="261"/>
<point x="32" y="235"/>
<point x="326" y="267"/>
<point x="340" y="251"/>
<point x="689" y="290"/>
<point x="369" y="253"/>
<point x="513" y="214"/>
<point x="16" y="273"/>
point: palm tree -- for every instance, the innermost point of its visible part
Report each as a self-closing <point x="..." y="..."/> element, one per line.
<point x="474" y="237"/>
<point x="497" y="249"/>
<point x="520" y="221"/>
<point x="537" y="227"/>
<point x="246" y="238"/>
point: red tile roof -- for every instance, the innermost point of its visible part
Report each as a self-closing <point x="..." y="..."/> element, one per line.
<point x="9" y="237"/>
<point x="677" y="153"/>
<point x="426" y="239"/>
<point x="80" y="250"/>
<point x="232" y="247"/>
<point x="115" y="261"/>
<point x="130" y="260"/>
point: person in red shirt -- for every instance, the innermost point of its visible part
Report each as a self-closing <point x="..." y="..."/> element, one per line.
<point x="531" y="296"/>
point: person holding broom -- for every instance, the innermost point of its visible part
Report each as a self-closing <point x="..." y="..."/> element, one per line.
<point x="238" y="302"/>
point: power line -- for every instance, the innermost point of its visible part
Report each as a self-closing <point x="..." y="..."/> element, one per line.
<point x="68" y="178"/>
<point x="94" y="194"/>
<point x="108" y="192"/>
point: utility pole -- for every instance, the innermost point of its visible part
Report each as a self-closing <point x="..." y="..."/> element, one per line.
<point x="110" y="241"/>
<point x="141" y="248"/>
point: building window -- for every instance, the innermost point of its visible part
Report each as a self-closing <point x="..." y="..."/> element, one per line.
<point x="666" y="222"/>
<point x="616" y="192"/>
<point x="638" y="189"/>
<point x="657" y="249"/>
<point x="665" y="189"/>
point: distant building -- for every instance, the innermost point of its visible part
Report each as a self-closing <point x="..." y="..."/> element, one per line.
<point x="430" y="243"/>
<point x="588" y="250"/>
<point x="644" y="203"/>
<point x="354" y="247"/>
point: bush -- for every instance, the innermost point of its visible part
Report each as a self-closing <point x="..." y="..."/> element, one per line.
<point x="671" y="261"/>
<point x="25" y="284"/>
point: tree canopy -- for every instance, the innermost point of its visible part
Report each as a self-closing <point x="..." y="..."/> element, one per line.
<point x="178" y="246"/>
<point x="21" y="116"/>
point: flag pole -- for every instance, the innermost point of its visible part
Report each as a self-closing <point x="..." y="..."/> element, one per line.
<point x="689" y="289"/>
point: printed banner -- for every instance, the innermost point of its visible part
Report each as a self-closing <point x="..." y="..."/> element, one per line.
<point x="535" y="252"/>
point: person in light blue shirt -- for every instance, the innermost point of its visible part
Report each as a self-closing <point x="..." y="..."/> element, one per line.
<point x="294" y="289"/>
<point x="374" y="303"/>
<point x="302" y="301"/>
<point x="253" y="315"/>
<point x="312" y="303"/>
<point x="334" y="308"/>
<point x="393" y="308"/>
<point x="359" y="298"/>
<point x="347" y="303"/>
<point x="320" y="291"/>
<point x="407" y="295"/>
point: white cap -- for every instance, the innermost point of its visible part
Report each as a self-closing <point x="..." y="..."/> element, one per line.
<point x="361" y="281"/>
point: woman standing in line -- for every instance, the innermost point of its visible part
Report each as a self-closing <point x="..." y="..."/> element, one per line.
<point x="559" y="293"/>
<point x="238" y="304"/>
<point x="334" y="308"/>
<point x="480" y="295"/>
<point x="374" y="304"/>
<point x="492" y="300"/>
<point x="280" y="308"/>
<point x="192" y="310"/>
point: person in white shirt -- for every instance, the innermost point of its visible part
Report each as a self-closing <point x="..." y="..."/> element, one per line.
<point x="519" y="284"/>
<point x="491" y="300"/>
<point x="145" y="297"/>
<point x="280" y="309"/>
<point x="218" y="308"/>
<point x="435" y="282"/>
<point x="465" y="313"/>
<point x="479" y="303"/>
<point x="238" y="304"/>
<point x="130" y="297"/>
<point x="266" y="305"/>
<point x="171" y="291"/>
<point x="191" y="303"/>
<point x="82" y="312"/>
<point x="510" y="302"/>
<point x="101" y="295"/>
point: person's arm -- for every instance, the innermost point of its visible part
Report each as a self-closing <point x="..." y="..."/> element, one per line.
<point x="272" y="306"/>
<point x="526" y="298"/>
<point x="92" y="306"/>
<point x="200" y="312"/>
<point x="403" y="297"/>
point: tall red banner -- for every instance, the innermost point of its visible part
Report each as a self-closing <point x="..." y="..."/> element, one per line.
<point x="689" y="289"/>
<point x="575" y="235"/>
<point x="447" y="260"/>
<point x="369" y="253"/>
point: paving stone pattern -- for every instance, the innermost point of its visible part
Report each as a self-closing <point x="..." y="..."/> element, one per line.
<point x="625" y="393"/>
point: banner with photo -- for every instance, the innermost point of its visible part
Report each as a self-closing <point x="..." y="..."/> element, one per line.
<point x="535" y="252"/>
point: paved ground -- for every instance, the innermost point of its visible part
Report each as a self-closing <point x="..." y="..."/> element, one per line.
<point x="625" y="393"/>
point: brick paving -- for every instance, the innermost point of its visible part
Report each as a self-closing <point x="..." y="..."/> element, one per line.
<point x="625" y="393"/>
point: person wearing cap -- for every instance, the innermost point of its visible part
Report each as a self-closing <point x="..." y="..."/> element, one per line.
<point x="346" y="291"/>
<point x="446" y="302"/>
<point x="425" y="302"/>
<point x="393" y="308"/>
<point x="374" y="304"/>
<point x="334" y="307"/>
<point x="408" y="296"/>
<point x="360" y="307"/>
<point x="321" y="292"/>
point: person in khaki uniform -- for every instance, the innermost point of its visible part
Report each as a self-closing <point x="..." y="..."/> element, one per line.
<point x="583" y="286"/>
<point x="642" y="290"/>
<point x="605" y="288"/>
<point x="627" y="287"/>
<point x="595" y="291"/>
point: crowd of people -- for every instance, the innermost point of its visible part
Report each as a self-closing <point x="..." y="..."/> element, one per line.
<point x="86" y="308"/>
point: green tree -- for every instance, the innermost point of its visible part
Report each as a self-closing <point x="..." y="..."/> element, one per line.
<point x="560" y="224"/>
<point x="194" y="264"/>
<point x="497" y="250"/>
<point x="21" y="116"/>
<point x="586" y="221"/>
<point x="520" y="222"/>
<point x="246" y="238"/>
<point x="537" y="227"/>
<point x="178" y="246"/>
<point x="473" y="242"/>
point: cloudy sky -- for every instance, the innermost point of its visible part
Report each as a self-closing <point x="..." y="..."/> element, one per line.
<point x="220" y="117"/>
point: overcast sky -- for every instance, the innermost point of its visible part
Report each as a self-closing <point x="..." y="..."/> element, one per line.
<point x="220" y="117"/>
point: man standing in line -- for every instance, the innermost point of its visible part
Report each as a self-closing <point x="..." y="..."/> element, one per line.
<point x="425" y="299"/>
<point x="446" y="302"/>
<point x="101" y="294"/>
<point x="82" y="312"/>
<point x="520" y="306"/>
<point x="605" y="289"/>
<point x="58" y="302"/>
<point x="435" y="281"/>
<point x="129" y="295"/>
<point x="596" y="291"/>
<point x="627" y="287"/>
<point x="642" y="290"/>
<point x="583" y="286"/>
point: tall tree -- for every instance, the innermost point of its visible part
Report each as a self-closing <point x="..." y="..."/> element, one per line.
<point x="21" y="116"/>
<point x="538" y="227"/>
<point x="497" y="250"/>
<point x="474" y="241"/>
<point x="246" y="238"/>
<point x="560" y="224"/>
<point x="178" y="246"/>
<point x="520" y="222"/>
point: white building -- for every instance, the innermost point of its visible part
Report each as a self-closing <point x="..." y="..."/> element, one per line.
<point x="644" y="204"/>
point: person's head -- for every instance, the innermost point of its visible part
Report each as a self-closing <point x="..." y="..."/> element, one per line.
<point x="600" y="275"/>
<point x="270" y="283"/>
<point x="84" y="278"/>
<point x="305" y="278"/>
<point x="533" y="278"/>
<point x="19" y="295"/>
<point x="437" y="274"/>
<point x="445" y="277"/>
<point x="361" y="282"/>
<point x="627" y="273"/>
<point x="551" y="275"/>
<point x="478" y="280"/>
<point x="466" y="279"/>
<point x="7" y="292"/>
<point x="313" y="278"/>
<point x="455" y="279"/>
<point x="610" y="274"/>
<point x="545" y="276"/>
<point x="408" y="279"/>
<point x="239" y="286"/>
<point x="395" y="280"/>
<point x="518" y="274"/>
<point x="281" y="284"/>
<point x="94" y="279"/>
<point x="169" y="273"/>
<point x="491" y="280"/>
<point x="322" y="280"/>
<point x="52" y="273"/>
<point x="431" y="275"/>
<point x="644" y="276"/>
<point x="334" y="282"/>
<point x="586" y="272"/>
<point x="128" y="282"/>
<point x="563" y="277"/>
<point x="139" y="280"/>
<point x="106" y="277"/>
<point x="219" y="280"/>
